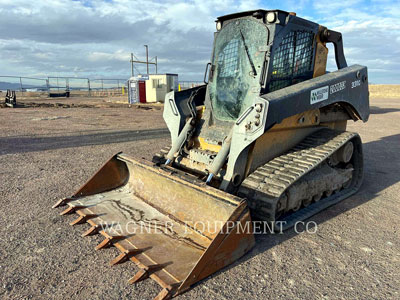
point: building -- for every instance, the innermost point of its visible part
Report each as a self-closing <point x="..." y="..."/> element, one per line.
<point x="158" y="85"/>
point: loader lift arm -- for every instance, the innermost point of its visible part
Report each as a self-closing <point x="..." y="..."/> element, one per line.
<point x="335" y="37"/>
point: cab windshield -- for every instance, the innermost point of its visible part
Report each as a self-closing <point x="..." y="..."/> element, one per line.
<point x="237" y="66"/>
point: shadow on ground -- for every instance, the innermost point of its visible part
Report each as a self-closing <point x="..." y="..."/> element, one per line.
<point x="375" y="110"/>
<point x="11" y="145"/>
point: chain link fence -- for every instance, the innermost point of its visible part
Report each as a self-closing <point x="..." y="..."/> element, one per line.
<point x="76" y="86"/>
<point x="31" y="87"/>
<point x="24" y="86"/>
<point x="184" y="85"/>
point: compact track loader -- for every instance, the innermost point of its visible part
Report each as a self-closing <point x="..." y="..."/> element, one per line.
<point x="265" y="138"/>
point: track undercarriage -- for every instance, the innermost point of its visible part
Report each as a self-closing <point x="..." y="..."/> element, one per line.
<point x="323" y="169"/>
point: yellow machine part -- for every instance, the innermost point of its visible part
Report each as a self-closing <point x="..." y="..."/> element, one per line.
<point x="177" y="232"/>
<point x="321" y="56"/>
<point x="281" y="137"/>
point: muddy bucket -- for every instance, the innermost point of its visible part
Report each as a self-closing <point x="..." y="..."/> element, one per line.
<point x="176" y="230"/>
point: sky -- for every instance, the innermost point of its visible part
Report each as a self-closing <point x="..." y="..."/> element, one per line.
<point x="94" y="38"/>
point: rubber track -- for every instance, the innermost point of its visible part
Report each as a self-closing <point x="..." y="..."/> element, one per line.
<point x="267" y="183"/>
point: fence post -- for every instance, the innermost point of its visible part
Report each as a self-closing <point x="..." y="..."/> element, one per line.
<point x="20" y="82"/>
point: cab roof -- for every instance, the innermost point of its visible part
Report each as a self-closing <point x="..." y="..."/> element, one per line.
<point x="249" y="13"/>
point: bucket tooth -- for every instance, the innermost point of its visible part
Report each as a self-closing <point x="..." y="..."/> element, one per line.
<point x="92" y="230"/>
<point x="119" y="259"/>
<point x="163" y="295"/>
<point x="82" y="219"/>
<point x="108" y="241"/>
<point x="105" y="243"/>
<point x="167" y="292"/>
<point x="71" y="210"/>
<point x="125" y="256"/>
<point x="139" y="276"/>
<point x="145" y="273"/>
<point x="62" y="202"/>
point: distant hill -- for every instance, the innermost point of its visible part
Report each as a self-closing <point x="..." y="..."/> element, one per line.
<point x="9" y="86"/>
<point x="16" y="86"/>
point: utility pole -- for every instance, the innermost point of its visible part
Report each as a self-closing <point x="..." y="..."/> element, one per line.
<point x="147" y="62"/>
<point x="132" y="73"/>
<point x="147" y="59"/>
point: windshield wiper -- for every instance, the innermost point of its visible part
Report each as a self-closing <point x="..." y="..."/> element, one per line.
<point x="248" y="54"/>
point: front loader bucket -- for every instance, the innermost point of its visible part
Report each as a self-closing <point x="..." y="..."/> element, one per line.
<point x="176" y="231"/>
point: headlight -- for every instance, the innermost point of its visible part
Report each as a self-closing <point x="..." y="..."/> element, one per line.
<point x="219" y="25"/>
<point x="271" y="17"/>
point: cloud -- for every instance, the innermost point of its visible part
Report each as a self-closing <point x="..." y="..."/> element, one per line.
<point x="94" y="38"/>
<point x="119" y="55"/>
<point x="329" y="5"/>
<point x="370" y="35"/>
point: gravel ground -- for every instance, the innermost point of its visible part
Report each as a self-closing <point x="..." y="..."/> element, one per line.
<point x="47" y="153"/>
